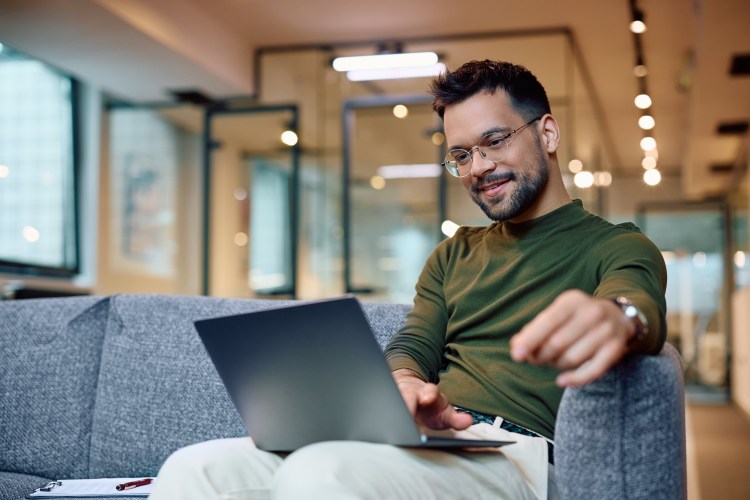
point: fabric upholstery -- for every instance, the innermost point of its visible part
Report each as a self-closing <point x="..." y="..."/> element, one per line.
<point x="153" y="358"/>
<point x="50" y="352"/>
<point x="16" y="486"/>
<point x="109" y="387"/>
<point x="623" y="436"/>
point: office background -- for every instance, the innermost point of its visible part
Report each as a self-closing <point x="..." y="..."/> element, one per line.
<point x="196" y="147"/>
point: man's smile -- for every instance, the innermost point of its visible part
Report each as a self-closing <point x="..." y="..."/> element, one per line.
<point x="492" y="185"/>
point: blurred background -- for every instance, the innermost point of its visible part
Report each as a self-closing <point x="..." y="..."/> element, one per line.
<point x="211" y="147"/>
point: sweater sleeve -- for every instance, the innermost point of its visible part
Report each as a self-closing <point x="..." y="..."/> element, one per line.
<point x="632" y="266"/>
<point x="419" y="345"/>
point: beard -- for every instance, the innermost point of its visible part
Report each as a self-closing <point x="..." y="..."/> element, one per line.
<point x="528" y="185"/>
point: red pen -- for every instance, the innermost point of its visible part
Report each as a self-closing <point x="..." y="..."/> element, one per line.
<point x="133" y="484"/>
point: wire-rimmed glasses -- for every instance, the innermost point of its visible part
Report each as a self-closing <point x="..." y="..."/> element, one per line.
<point x="492" y="148"/>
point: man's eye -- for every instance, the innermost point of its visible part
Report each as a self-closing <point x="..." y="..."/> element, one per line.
<point x="462" y="157"/>
<point x="496" y="141"/>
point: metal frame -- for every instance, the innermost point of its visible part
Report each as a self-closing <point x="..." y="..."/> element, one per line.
<point x="36" y="270"/>
<point x="347" y="121"/>
<point x="225" y="108"/>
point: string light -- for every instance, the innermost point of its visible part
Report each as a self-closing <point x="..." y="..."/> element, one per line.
<point x="646" y="122"/>
<point x="575" y="166"/>
<point x="648" y="162"/>
<point x="652" y="177"/>
<point x="643" y="100"/>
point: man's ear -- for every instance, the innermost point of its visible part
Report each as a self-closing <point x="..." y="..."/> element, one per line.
<point x="550" y="133"/>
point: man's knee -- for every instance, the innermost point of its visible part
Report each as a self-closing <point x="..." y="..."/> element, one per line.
<point x="213" y="468"/>
<point x="199" y="457"/>
<point x="328" y="470"/>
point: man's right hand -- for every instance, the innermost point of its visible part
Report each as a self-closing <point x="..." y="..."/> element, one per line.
<point x="427" y="404"/>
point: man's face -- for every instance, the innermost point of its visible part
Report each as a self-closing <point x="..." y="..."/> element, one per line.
<point x="505" y="189"/>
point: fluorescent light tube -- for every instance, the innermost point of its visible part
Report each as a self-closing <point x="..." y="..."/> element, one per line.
<point x="399" y="60"/>
<point x="395" y="73"/>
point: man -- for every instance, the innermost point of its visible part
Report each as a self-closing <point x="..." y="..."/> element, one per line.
<point x="505" y="316"/>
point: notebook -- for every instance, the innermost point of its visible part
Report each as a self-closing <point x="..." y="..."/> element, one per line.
<point x="312" y="372"/>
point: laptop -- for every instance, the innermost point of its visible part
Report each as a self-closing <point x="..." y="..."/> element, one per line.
<point x="313" y="372"/>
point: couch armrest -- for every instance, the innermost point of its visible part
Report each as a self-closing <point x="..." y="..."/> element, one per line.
<point x="623" y="436"/>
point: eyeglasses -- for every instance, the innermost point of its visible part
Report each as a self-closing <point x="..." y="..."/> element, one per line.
<point x="492" y="148"/>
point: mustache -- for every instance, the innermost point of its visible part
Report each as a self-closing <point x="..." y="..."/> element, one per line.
<point x="491" y="179"/>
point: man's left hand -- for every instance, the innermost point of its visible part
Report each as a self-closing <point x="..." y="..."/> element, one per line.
<point x="581" y="335"/>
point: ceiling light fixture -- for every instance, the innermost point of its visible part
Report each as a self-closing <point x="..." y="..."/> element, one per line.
<point x="646" y="122"/>
<point x="362" y="75"/>
<point x="648" y="143"/>
<point x="381" y="61"/>
<point x="648" y="162"/>
<point x="637" y="23"/>
<point x="652" y="177"/>
<point x="643" y="101"/>
<point x="637" y="26"/>
<point x="388" y="66"/>
<point x="289" y="138"/>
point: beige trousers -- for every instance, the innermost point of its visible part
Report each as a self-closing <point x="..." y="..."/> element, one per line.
<point x="235" y="469"/>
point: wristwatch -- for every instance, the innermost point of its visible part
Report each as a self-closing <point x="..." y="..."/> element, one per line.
<point x="639" y="320"/>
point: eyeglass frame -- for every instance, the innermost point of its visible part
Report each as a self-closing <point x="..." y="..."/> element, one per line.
<point x="505" y="138"/>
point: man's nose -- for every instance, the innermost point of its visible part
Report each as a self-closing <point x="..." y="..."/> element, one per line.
<point x="480" y="165"/>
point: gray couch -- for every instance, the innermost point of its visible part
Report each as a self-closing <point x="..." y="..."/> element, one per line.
<point x="110" y="386"/>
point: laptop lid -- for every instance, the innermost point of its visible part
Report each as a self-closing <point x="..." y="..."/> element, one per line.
<point x="311" y="372"/>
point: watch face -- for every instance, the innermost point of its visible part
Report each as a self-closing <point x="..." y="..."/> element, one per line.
<point x="631" y="311"/>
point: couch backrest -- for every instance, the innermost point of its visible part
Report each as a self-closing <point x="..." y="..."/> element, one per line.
<point x="158" y="390"/>
<point x="49" y="364"/>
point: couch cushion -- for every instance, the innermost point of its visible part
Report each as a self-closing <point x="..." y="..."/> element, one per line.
<point x="158" y="390"/>
<point x="50" y="363"/>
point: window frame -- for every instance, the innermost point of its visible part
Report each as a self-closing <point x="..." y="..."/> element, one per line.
<point x="71" y="228"/>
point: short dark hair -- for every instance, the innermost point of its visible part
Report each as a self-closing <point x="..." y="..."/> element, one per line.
<point x="526" y="94"/>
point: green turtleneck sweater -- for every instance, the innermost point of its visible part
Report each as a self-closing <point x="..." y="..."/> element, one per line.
<point x="481" y="286"/>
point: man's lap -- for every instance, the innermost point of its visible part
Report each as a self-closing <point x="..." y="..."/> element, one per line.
<point x="235" y="469"/>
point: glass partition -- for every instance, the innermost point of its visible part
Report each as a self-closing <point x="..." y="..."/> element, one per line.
<point x="699" y="283"/>
<point x="150" y="227"/>
<point x="253" y="198"/>
<point x="393" y="177"/>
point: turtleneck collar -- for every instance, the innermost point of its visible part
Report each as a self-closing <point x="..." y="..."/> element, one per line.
<point x="560" y="218"/>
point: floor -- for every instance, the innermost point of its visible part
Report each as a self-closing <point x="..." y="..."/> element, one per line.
<point x="718" y="451"/>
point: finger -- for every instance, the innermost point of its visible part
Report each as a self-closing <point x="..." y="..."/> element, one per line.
<point x="532" y="336"/>
<point x="603" y="360"/>
<point x="428" y="396"/>
<point x="436" y="412"/>
<point x="585" y="347"/>
<point x="579" y="328"/>
<point x="430" y="406"/>
<point x="458" y="420"/>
